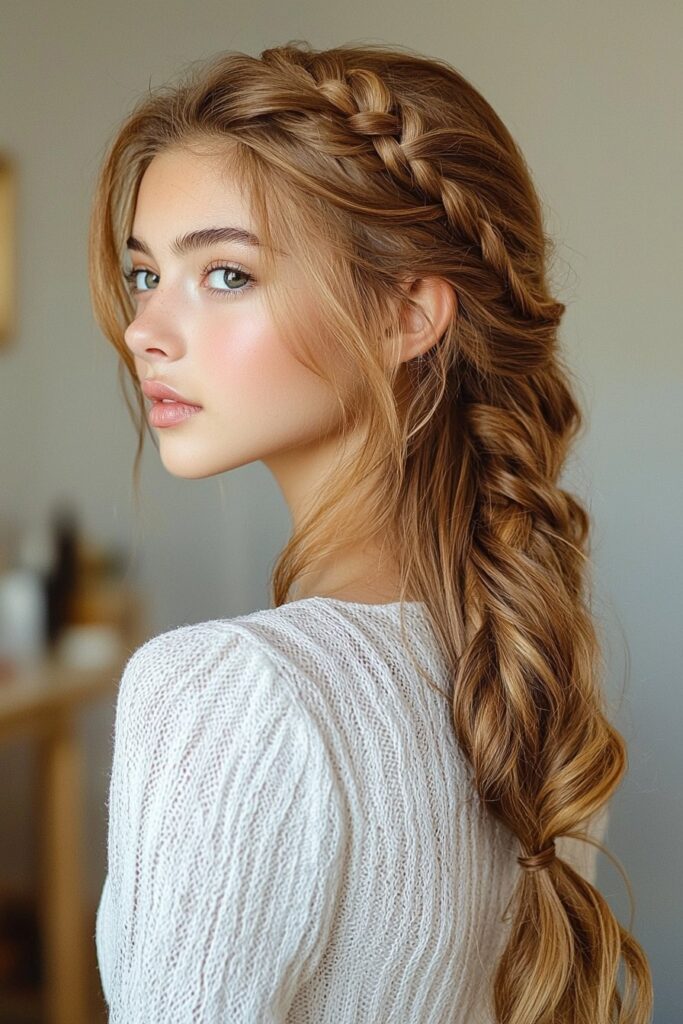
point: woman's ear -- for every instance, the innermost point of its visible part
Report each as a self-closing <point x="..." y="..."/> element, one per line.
<point x="437" y="303"/>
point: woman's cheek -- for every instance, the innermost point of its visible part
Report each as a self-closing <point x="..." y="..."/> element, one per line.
<point x="263" y="390"/>
<point x="243" y="359"/>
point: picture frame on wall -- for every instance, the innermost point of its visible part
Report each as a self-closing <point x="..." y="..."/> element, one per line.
<point x="8" y="193"/>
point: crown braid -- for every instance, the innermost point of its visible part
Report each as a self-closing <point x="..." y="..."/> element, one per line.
<point x="361" y="100"/>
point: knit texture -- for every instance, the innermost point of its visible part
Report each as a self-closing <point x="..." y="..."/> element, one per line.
<point x="293" y="832"/>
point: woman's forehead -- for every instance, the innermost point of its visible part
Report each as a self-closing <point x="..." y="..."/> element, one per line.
<point x="192" y="179"/>
<point x="182" y="192"/>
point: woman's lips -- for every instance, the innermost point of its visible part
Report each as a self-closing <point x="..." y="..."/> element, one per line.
<point x="168" y="414"/>
<point x="168" y="406"/>
<point x="157" y="391"/>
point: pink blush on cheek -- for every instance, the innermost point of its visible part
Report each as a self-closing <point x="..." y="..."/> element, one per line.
<point x="261" y="391"/>
<point x="253" y="364"/>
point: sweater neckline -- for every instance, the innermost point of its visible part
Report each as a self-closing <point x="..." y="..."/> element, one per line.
<point x="361" y="605"/>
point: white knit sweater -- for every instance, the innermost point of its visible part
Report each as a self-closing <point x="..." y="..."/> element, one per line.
<point x="294" y="835"/>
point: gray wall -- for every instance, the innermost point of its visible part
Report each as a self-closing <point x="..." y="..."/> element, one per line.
<point x="589" y="92"/>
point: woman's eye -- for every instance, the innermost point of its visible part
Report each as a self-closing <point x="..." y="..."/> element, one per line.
<point x="142" y="280"/>
<point x="230" y="279"/>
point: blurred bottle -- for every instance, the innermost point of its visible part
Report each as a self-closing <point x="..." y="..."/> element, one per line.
<point x="23" y="598"/>
<point x="62" y="581"/>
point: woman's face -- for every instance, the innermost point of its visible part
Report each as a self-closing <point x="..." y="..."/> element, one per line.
<point x="202" y="327"/>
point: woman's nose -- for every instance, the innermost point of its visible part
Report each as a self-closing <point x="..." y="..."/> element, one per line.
<point x="152" y="333"/>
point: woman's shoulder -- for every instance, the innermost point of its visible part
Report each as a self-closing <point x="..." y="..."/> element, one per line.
<point x="192" y="652"/>
<point x="265" y="637"/>
<point x="283" y="637"/>
<point x="206" y="680"/>
<point x="276" y="647"/>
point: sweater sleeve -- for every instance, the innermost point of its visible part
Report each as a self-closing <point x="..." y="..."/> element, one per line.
<point x="224" y="837"/>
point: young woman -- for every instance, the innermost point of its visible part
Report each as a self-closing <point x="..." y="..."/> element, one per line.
<point x="374" y="801"/>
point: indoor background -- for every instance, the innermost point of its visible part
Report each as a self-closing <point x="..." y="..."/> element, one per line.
<point x="591" y="91"/>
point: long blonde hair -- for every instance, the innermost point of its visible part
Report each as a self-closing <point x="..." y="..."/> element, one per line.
<point x="373" y="165"/>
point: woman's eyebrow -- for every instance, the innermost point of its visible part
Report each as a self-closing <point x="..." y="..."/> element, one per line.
<point x="200" y="239"/>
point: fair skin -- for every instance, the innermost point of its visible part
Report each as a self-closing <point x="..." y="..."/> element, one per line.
<point x="224" y="354"/>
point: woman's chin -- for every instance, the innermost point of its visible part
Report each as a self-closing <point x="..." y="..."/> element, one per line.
<point x="186" y="463"/>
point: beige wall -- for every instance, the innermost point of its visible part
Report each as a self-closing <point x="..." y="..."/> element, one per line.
<point x="588" y="89"/>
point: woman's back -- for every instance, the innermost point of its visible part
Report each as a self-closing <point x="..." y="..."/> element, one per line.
<point x="294" y="834"/>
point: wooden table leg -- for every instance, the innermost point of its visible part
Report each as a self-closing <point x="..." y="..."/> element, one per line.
<point x="61" y="875"/>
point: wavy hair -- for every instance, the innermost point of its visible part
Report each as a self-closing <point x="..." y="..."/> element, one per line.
<point x="373" y="166"/>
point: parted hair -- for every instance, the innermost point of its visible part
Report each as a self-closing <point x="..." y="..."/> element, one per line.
<point x="372" y="166"/>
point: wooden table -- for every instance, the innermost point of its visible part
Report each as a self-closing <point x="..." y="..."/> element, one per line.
<point x="44" y="703"/>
